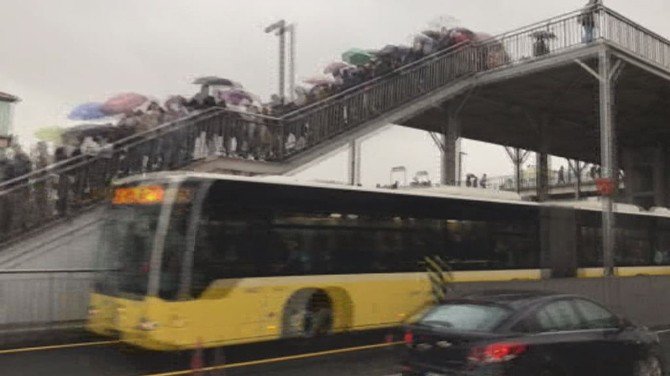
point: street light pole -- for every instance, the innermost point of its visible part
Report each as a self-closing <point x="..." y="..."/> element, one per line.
<point x="280" y="28"/>
<point x="291" y="61"/>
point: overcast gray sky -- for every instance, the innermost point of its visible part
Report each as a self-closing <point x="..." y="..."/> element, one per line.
<point x="57" y="54"/>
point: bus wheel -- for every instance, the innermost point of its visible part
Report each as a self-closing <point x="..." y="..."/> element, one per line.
<point x="307" y="313"/>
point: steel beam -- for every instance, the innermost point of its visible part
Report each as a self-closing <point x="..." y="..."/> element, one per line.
<point x="607" y="149"/>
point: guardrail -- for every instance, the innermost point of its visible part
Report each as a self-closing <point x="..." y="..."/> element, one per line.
<point x="41" y="299"/>
<point x="61" y="190"/>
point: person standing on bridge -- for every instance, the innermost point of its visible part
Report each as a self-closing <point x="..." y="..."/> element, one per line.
<point x="588" y="21"/>
<point x="561" y="175"/>
<point x="483" y="181"/>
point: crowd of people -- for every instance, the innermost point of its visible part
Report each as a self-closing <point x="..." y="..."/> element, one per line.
<point x="253" y="140"/>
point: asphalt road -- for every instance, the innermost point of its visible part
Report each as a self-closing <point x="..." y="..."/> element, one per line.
<point x="327" y="358"/>
<point x="361" y="354"/>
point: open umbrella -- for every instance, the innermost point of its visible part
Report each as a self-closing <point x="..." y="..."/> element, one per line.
<point x="482" y="37"/>
<point x="320" y="80"/>
<point x="87" y="111"/>
<point x="388" y="50"/>
<point x="216" y="81"/>
<point x="422" y="38"/>
<point x="123" y="103"/>
<point x="356" y="56"/>
<point x="460" y="34"/>
<point x="335" y="66"/>
<point x="433" y="34"/>
<point x="543" y="34"/>
<point x="49" y="134"/>
<point x="238" y="96"/>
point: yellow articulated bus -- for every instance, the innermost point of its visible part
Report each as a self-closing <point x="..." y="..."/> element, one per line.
<point x="210" y="260"/>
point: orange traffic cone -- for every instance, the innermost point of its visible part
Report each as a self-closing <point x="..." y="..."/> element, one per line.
<point x="196" y="359"/>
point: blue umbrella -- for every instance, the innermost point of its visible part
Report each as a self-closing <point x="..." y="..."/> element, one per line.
<point x="87" y="111"/>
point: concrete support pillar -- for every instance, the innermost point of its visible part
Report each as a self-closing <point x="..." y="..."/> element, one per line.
<point x="354" y="165"/>
<point x="607" y="154"/>
<point x="451" y="152"/>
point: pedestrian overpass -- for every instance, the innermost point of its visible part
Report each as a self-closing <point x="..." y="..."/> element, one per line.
<point x="551" y="102"/>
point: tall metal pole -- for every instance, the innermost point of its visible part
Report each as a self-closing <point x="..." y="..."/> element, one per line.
<point x="460" y="166"/>
<point x="606" y="157"/>
<point x="280" y="27"/>
<point x="282" y="62"/>
<point x="291" y="63"/>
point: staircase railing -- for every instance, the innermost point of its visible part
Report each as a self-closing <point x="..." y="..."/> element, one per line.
<point x="65" y="188"/>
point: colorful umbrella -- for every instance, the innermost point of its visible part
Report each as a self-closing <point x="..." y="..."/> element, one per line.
<point x="238" y="96"/>
<point x="393" y="51"/>
<point x="433" y="34"/>
<point x="216" y="81"/>
<point x="49" y="134"/>
<point x="543" y="34"/>
<point x="87" y="111"/>
<point x="335" y="66"/>
<point x="460" y="35"/>
<point x="356" y="56"/>
<point x="123" y="103"/>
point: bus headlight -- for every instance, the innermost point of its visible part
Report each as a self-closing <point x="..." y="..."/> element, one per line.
<point x="147" y="325"/>
<point x="92" y="311"/>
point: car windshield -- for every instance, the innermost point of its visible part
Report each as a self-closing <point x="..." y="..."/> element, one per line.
<point x="465" y="317"/>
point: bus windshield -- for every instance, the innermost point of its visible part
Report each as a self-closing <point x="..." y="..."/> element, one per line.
<point x="129" y="234"/>
<point x="127" y="242"/>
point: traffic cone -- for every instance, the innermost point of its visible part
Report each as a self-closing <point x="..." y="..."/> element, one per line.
<point x="196" y="359"/>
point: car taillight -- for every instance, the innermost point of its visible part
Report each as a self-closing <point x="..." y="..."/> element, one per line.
<point x="408" y="338"/>
<point x="497" y="352"/>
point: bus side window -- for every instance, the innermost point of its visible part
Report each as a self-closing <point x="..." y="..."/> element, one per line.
<point x="661" y="254"/>
<point x="226" y="247"/>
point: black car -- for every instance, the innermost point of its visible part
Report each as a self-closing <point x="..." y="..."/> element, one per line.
<point x="528" y="333"/>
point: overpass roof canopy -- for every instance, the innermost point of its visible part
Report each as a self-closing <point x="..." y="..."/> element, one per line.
<point x="506" y="105"/>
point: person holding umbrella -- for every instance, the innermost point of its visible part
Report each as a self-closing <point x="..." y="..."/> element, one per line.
<point x="587" y="20"/>
<point x="541" y="46"/>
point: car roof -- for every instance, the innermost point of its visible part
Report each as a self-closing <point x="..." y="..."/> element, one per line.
<point x="514" y="299"/>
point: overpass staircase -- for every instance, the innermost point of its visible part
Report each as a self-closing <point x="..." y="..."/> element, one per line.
<point x="50" y="200"/>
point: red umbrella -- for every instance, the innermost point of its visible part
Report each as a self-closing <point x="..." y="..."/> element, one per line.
<point x="123" y="103"/>
<point x="460" y="34"/>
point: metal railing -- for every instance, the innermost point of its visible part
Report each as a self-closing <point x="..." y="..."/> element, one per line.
<point x="63" y="189"/>
<point x="42" y="299"/>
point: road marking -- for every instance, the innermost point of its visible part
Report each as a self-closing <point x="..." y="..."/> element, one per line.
<point x="279" y="359"/>
<point x="56" y="347"/>
<point x="662" y="331"/>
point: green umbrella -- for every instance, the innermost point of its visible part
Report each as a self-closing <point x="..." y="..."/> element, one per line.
<point x="356" y="56"/>
<point x="49" y="134"/>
